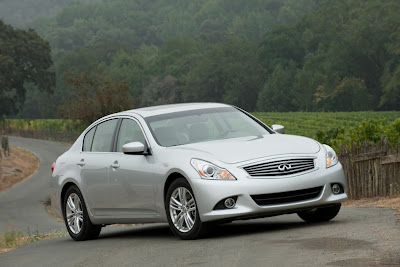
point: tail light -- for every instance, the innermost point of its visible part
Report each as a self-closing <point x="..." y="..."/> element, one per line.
<point x="52" y="167"/>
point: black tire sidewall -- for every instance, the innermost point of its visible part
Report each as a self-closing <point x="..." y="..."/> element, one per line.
<point x="198" y="225"/>
<point x="87" y="226"/>
<point x="323" y="214"/>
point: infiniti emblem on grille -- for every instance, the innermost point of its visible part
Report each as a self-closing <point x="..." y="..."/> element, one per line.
<point x="284" y="167"/>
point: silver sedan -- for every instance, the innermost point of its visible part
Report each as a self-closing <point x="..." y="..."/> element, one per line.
<point x="191" y="165"/>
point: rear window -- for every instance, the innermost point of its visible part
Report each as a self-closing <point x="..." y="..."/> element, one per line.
<point x="103" y="137"/>
<point x="87" y="142"/>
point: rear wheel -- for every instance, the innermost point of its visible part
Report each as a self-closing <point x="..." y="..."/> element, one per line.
<point x="182" y="212"/>
<point x="76" y="216"/>
<point x="320" y="214"/>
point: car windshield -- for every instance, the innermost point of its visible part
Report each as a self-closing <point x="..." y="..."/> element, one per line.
<point x="186" y="127"/>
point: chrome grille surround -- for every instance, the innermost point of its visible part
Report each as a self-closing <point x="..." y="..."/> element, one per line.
<point x="281" y="167"/>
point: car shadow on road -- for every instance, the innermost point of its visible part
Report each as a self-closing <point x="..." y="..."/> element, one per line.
<point x="255" y="227"/>
<point x="226" y="230"/>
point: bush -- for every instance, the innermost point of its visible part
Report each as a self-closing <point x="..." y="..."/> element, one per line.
<point x="329" y="137"/>
<point x="368" y="131"/>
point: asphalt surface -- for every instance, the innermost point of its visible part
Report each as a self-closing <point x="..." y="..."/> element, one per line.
<point x="356" y="237"/>
<point x="21" y="206"/>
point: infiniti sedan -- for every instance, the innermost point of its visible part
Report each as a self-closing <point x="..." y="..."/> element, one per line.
<point x="191" y="165"/>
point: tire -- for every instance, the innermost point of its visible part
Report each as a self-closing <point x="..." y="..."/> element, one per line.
<point x="182" y="213"/>
<point x="320" y="214"/>
<point x="74" y="207"/>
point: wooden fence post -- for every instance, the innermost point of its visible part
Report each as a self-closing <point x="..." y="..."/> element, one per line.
<point x="5" y="145"/>
<point x="371" y="170"/>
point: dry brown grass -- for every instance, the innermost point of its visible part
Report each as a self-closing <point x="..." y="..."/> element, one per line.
<point x="14" y="239"/>
<point x="384" y="202"/>
<point x="19" y="166"/>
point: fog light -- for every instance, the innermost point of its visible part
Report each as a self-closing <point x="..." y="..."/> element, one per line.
<point x="229" y="203"/>
<point x="226" y="203"/>
<point x="336" y="189"/>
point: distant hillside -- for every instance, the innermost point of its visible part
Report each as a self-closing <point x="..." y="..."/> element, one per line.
<point x="152" y="22"/>
<point x="261" y="55"/>
<point x="21" y="12"/>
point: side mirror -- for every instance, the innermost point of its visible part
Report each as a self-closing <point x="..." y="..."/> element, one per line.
<point x="278" y="128"/>
<point x="133" y="147"/>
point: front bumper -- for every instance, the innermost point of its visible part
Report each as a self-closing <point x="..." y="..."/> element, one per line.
<point x="209" y="192"/>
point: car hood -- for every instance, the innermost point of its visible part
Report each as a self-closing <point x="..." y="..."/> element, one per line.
<point x="237" y="150"/>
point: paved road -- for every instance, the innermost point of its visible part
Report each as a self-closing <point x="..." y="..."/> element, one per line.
<point x="21" y="206"/>
<point x="356" y="237"/>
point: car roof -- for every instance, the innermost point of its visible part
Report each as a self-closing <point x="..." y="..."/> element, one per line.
<point x="164" y="109"/>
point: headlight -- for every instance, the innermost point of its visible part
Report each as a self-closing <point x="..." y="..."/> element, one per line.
<point x="209" y="171"/>
<point x="331" y="157"/>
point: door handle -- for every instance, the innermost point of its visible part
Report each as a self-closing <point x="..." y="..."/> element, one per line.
<point x="115" y="164"/>
<point x="81" y="163"/>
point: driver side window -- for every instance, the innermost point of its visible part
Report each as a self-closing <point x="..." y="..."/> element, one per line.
<point x="130" y="131"/>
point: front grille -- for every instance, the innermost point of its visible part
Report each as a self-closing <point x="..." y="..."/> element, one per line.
<point x="280" y="167"/>
<point x="287" y="197"/>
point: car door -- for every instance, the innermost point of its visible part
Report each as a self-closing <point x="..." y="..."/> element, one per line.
<point x="94" y="162"/>
<point x="132" y="179"/>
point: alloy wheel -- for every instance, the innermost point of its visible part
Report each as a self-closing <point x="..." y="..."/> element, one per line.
<point x="182" y="207"/>
<point x="74" y="213"/>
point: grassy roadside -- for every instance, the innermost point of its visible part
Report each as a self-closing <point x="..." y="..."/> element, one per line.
<point x="20" y="165"/>
<point x="15" y="239"/>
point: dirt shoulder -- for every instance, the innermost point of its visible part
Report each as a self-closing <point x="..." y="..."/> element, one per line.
<point x="383" y="202"/>
<point x="20" y="165"/>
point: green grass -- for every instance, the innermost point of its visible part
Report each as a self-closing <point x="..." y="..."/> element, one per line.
<point x="299" y="123"/>
<point x="308" y="123"/>
<point x="40" y="125"/>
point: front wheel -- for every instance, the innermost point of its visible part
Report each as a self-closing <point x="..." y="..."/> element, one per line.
<point x="76" y="216"/>
<point x="320" y="214"/>
<point x="182" y="212"/>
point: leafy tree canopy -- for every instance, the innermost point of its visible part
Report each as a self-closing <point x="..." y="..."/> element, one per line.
<point x="152" y="22"/>
<point x="94" y="98"/>
<point x="347" y="58"/>
<point x="266" y="55"/>
<point x="24" y="59"/>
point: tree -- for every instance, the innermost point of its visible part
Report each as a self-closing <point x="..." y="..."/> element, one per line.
<point x="24" y="58"/>
<point x="346" y="54"/>
<point x="277" y="93"/>
<point x="226" y="72"/>
<point x="390" y="79"/>
<point x="94" y="98"/>
<point x="391" y="91"/>
<point x="281" y="46"/>
<point x="161" y="91"/>
<point x="349" y="94"/>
